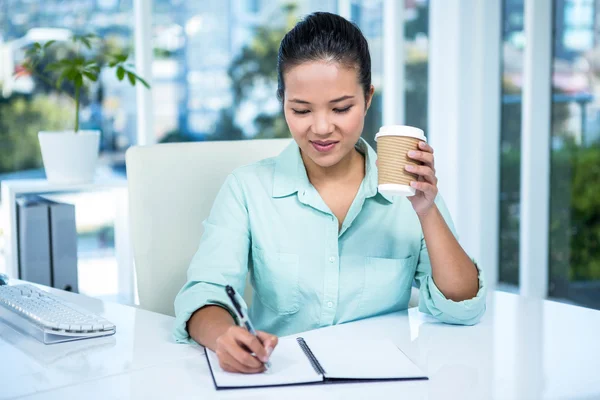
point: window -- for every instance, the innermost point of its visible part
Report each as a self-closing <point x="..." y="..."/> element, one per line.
<point x="416" y="36"/>
<point x="214" y="67"/>
<point x="510" y="140"/>
<point x="29" y="105"/>
<point x="574" y="255"/>
<point x="368" y="15"/>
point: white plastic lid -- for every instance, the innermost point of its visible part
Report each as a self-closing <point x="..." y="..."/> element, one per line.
<point x="401" y="130"/>
<point x="392" y="189"/>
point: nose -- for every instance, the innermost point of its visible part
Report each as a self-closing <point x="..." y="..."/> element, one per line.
<point x="321" y="125"/>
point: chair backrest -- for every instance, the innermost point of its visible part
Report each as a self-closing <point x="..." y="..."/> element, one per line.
<point x="172" y="188"/>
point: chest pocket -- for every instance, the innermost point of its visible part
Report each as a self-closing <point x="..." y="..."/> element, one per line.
<point x="275" y="280"/>
<point x="387" y="284"/>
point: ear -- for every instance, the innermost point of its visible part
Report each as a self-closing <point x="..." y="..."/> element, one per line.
<point x="369" y="98"/>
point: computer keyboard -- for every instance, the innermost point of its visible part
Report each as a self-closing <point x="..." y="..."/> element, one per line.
<point x="49" y="318"/>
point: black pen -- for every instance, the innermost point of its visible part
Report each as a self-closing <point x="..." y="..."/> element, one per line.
<point x="244" y="320"/>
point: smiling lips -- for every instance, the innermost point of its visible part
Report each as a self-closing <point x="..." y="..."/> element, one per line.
<point x="323" y="146"/>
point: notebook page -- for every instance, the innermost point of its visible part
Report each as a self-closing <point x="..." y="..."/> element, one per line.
<point x="289" y="365"/>
<point x="363" y="359"/>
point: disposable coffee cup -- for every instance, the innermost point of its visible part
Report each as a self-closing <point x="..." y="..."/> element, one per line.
<point x="393" y="144"/>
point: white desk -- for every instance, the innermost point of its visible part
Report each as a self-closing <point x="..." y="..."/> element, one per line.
<point x="523" y="349"/>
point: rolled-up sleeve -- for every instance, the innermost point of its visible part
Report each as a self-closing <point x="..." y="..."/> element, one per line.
<point x="432" y="301"/>
<point x="221" y="259"/>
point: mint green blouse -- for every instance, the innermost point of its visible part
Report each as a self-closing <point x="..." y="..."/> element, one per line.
<point x="270" y="223"/>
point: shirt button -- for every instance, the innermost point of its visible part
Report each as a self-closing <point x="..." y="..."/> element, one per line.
<point x="329" y="304"/>
<point x="332" y="259"/>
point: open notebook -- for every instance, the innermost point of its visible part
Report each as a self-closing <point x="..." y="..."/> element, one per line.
<point x="296" y="361"/>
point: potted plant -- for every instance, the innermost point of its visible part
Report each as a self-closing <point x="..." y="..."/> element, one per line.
<point x="70" y="157"/>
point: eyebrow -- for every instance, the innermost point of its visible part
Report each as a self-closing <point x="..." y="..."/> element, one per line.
<point x="332" y="101"/>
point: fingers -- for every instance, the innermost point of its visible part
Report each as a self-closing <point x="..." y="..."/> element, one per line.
<point x="425" y="187"/>
<point x="426" y="147"/>
<point x="243" y="356"/>
<point x="423" y="171"/>
<point x="234" y="351"/>
<point x="269" y="341"/>
<point x="254" y="345"/>
<point x="230" y="364"/>
<point x="423" y="157"/>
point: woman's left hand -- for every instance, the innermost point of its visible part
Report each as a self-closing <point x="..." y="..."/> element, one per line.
<point x="426" y="185"/>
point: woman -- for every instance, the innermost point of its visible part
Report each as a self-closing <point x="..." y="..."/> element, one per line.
<point x="322" y="246"/>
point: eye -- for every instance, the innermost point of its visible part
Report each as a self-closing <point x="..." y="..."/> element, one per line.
<point x="342" y="110"/>
<point x="301" y="112"/>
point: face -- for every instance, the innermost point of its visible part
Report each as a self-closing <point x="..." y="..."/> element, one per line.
<point x="325" y="109"/>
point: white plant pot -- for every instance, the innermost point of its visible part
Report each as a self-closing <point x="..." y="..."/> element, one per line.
<point x="69" y="157"/>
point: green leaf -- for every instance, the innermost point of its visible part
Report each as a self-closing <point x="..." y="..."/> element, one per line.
<point x="90" y="76"/>
<point x="30" y="53"/>
<point x="49" y="43"/>
<point x="37" y="46"/>
<point x="61" y="78"/>
<point x="91" y="69"/>
<point x="139" y="78"/>
<point x="131" y="77"/>
<point x="122" y="57"/>
<point x="87" y="43"/>
<point x="120" y="73"/>
<point x="73" y="72"/>
<point x="53" y="67"/>
<point x="113" y="63"/>
<point x="78" y="80"/>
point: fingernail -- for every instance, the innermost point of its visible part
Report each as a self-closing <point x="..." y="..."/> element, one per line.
<point x="410" y="168"/>
<point x="412" y="153"/>
<point x="422" y="144"/>
<point x="413" y="184"/>
<point x="269" y="351"/>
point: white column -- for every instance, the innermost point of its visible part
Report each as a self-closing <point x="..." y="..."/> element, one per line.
<point x="486" y="138"/>
<point x="344" y="9"/>
<point x="393" y="62"/>
<point x="143" y="62"/>
<point x="123" y="248"/>
<point x="443" y="97"/>
<point x="535" y="149"/>
<point x="464" y="121"/>
<point x="8" y="223"/>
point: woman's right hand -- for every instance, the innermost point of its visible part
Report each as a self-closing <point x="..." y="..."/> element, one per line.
<point x="235" y="347"/>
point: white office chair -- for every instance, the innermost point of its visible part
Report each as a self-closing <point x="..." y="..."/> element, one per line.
<point x="172" y="188"/>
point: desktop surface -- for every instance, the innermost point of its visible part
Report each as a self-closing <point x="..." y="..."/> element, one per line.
<point x="522" y="349"/>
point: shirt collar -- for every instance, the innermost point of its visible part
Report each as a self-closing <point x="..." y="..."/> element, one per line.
<point x="290" y="173"/>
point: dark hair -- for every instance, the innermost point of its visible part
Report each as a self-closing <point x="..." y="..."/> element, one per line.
<point x="324" y="36"/>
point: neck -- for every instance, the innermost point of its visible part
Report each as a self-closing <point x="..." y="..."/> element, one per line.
<point x="348" y="168"/>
